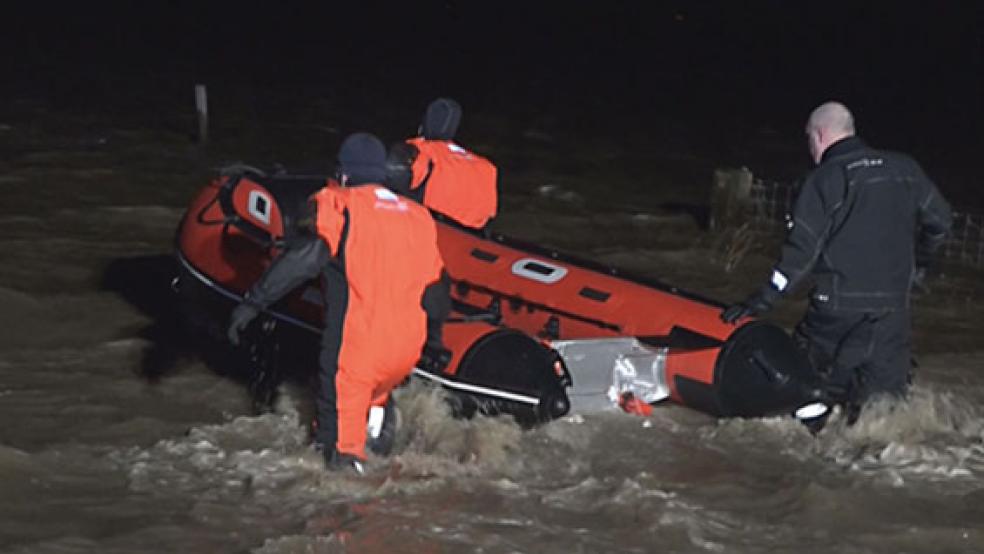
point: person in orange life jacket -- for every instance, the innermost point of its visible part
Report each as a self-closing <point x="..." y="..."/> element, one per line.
<point x="376" y="254"/>
<point x="864" y="224"/>
<point x="448" y="178"/>
<point x="437" y="298"/>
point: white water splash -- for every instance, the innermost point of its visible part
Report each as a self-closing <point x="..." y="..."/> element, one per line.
<point x="935" y="435"/>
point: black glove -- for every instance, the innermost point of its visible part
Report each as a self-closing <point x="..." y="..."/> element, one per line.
<point x="240" y="318"/>
<point x="755" y="305"/>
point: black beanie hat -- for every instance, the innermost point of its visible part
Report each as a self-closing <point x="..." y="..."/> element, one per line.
<point x="441" y="119"/>
<point x="362" y="157"/>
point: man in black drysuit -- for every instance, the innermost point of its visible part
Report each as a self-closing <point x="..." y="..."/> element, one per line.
<point x="864" y="225"/>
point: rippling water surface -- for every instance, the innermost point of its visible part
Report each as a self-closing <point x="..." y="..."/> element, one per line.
<point x="112" y="442"/>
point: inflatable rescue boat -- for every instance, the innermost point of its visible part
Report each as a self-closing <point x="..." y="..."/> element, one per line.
<point x="534" y="333"/>
<point x="235" y="227"/>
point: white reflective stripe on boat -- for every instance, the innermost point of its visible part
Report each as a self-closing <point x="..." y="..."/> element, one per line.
<point x="239" y="298"/>
<point x="458" y="385"/>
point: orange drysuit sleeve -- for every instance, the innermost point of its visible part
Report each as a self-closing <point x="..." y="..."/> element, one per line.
<point x="331" y="216"/>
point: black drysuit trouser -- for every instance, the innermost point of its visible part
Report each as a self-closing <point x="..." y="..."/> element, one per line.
<point x="861" y="354"/>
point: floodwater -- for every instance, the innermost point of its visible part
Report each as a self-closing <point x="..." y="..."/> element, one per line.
<point x="115" y="440"/>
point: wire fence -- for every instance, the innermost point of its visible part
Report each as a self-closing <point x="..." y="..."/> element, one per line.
<point x="772" y="201"/>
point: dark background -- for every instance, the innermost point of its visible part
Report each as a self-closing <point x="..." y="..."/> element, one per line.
<point x="731" y="82"/>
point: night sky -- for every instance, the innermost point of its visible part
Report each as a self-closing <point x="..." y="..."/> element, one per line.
<point x="912" y="72"/>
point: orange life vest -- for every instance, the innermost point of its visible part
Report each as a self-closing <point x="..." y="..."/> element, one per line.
<point x="458" y="183"/>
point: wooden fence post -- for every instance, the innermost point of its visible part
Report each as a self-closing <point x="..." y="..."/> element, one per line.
<point x="731" y="198"/>
<point x="201" y="106"/>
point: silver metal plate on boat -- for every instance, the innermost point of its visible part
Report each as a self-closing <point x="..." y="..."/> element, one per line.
<point x="604" y="369"/>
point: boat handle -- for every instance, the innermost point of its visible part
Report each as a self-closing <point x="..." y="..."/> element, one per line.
<point x="538" y="270"/>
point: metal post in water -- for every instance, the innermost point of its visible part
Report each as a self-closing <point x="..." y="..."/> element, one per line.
<point x="201" y="106"/>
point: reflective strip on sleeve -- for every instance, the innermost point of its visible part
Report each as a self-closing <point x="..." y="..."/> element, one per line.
<point x="779" y="280"/>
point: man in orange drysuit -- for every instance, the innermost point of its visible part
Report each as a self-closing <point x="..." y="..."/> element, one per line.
<point x="448" y="178"/>
<point x="377" y="254"/>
